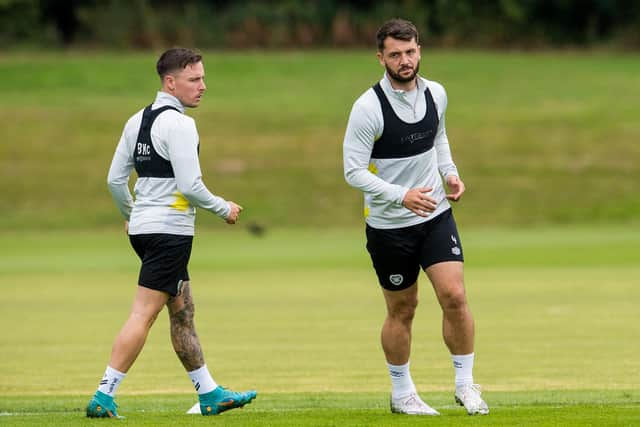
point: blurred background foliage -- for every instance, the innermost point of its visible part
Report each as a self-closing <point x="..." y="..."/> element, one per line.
<point x="144" y="24"/>
<point x="543" y="104"/>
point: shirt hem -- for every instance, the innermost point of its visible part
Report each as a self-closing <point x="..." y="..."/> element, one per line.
<point x="162" y="231"/>
<point x="403" y="224"/>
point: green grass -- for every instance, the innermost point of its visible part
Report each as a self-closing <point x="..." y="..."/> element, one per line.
<point x="296" y="314"/>
<point x="602" y="408"/>
<point x="539" y="138"/>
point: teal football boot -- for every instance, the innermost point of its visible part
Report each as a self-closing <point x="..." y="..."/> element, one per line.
<point x="102" y="406"/>
<point x="221" y="399"/>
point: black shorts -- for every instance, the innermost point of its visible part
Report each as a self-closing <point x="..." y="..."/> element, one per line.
<point x="398" y="253"/>
<point x="164" y="260"/>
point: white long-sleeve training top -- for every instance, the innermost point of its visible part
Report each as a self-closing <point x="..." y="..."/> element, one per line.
<point x="163" y="205"/>
<point x="386" y="181"/>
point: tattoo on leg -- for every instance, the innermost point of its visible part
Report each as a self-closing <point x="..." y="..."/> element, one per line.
<point x="183" y="332"/>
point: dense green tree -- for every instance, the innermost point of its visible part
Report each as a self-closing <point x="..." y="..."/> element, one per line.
<point x="316" y="23"/>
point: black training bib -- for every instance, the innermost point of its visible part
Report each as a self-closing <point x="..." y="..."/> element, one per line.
<point x="148" y="162"/>
<point x="401" y="139"/>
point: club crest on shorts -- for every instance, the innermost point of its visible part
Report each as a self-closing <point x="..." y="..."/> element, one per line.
<point x="396" y="279"/>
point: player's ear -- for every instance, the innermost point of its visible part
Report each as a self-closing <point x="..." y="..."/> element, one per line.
<point x="380" y="58"/>
<point x="169" y="82"/>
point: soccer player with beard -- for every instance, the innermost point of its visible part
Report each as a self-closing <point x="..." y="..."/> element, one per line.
<point x="396" y="151"/>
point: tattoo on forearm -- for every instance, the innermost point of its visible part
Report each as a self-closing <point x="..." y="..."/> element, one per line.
<point x="183" y="333"/>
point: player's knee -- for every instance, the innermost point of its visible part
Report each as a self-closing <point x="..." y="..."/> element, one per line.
<point x="454" y="298"/>
<point x="404" y="312"/>
<point x="184" y="316"/>
<point x="409" y="313"/>
<point x="190" y="310"/>
<point x="144" y="318"/>
<point x="406" y="316"/>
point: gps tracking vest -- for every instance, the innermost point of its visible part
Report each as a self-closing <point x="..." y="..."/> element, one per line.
<point x="148" y="162"/>
<point x="401" y="139"/>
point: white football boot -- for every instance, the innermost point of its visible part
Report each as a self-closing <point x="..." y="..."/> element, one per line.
<point x="412" y="405"/>
<point x="469" y="397"/>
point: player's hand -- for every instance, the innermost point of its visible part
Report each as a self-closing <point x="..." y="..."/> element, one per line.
<point x="419" y="202"/>
<point x="126" y="227"/>
<point x="234" y="214"/>
<point x="456" y="188"/>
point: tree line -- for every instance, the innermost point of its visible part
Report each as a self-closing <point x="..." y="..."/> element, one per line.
<point x="225" y="24"/>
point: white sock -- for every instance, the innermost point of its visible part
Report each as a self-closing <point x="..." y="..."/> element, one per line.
<point x="401" y="382"/>
<point x="110" y="381"/>
<point x="463" y="366"/>
<point x="202" y="380"/>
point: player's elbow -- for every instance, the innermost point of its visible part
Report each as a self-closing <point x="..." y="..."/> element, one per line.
<point x="348" y="175"/>
<point x="187" y="192"/>
<point x="351" y="176"/>
<point x="187" y="189"/>
<point x="114" y="183"/>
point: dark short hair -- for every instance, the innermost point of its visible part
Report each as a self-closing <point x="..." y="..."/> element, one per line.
<point x="176" y="58"/>
<point x="399" y="29"/>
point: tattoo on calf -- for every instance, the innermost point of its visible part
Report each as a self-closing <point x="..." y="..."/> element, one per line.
<point x="183" y="333"/>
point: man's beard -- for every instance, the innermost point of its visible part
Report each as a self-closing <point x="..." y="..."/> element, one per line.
<point x="397" y="77"/>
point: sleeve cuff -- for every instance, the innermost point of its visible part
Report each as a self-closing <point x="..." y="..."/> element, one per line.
<point x="403" y="192"/>
<point x="227" y="210"/>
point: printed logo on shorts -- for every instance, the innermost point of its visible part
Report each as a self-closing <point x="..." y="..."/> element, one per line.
<point x="455" y="250"/>
<point x="396" y="279"/>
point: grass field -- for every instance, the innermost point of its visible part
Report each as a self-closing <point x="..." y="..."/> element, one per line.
<point x="296" y="314"/>
<point x="538" y="137"/>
